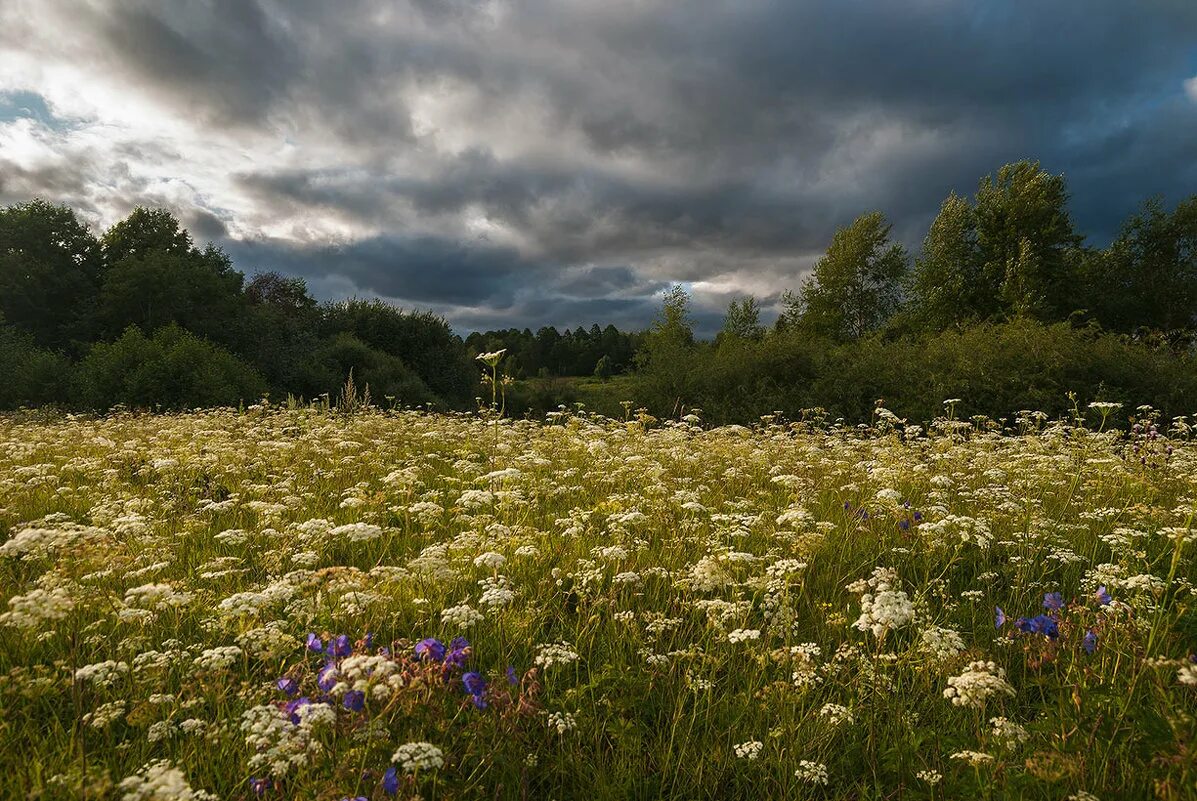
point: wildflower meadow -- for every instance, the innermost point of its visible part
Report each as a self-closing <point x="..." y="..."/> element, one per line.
<point x="311" y="603"/>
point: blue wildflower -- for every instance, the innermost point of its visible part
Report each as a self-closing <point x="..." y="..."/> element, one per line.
<point x="390" y="781"/>
<point x="431" y="648"/>
<point x="354" y="701"/>
<point x="292" y="708"/>
<point x="314" y="643"/>
<point x="340" y="646"/>
<point x="904" y="524"/>
<point x="918" y="517"/>
<point x="369" y="641"/>
<point x="287" y="685"/>
<point x="1040" y="624"/>
<point x="459" y="652"/>
<point x="512" y="676"/>
<point x="1053" y="601"/>
<point x="260" y="786"/>
<point x="1103" y="596"/>
<point x="999" y="617"/>
<point x="1090" y="642"/>
<point x="326" y="679"/>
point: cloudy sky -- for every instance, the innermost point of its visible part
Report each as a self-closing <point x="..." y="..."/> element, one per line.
<point x="522" y="162"/>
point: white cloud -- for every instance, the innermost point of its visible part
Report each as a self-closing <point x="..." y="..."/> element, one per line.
<point x="1191" y="88"/>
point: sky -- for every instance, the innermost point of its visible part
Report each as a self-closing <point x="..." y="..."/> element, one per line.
<point x="523" y="163"/>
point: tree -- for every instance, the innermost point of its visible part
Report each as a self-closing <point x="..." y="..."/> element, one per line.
<point x="1147" y="278"/>
<point x="603" y="368"/>
<point x="197" y="290"/>
<point x="742" y="321"/>
<point x="665" y="354"/>
<point x="49" y="269"/>
<point x="143" y="231"/>
<point x="944" y="285"/>
<point x="857" y="285"/>
<point x="1026" y="247"/>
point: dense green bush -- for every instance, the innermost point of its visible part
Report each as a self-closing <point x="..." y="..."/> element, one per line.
<point x="386" y="376"/>
<point x="173" y="369"/>
<point x="997" y="369"/>
<point x="32" y="376"/>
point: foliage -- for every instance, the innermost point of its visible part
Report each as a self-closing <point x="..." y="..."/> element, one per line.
<point x="856" y="287"/>
<point x="173" y="369"/>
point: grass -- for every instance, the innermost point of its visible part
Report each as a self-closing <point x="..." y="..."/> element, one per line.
<point x="687" y="613"/>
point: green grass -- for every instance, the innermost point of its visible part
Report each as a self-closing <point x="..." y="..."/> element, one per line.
<point x="647" y="549"/>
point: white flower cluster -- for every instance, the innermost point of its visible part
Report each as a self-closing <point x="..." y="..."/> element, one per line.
<point x="812" y="772"/>
<point x="1009" y="732"/>
<point x="102" y="674"/>
<point x="40" y="543"/>
<point x="708" y="574"/>
<point x="377" y="675"/>
<point x="977" y="684"/>
<point x="562" y="722"/>
<point x="885" y="608"/>
<point x="749" y="750"/>
<point x="161" y="781"/>
<point x="932" y="777"/>
<point x="490" y="560"/>
<point x="38" y="607"/>
<point x="555" y="653"/>
<point x="496" y="592"/>
<point x="940" y="643"/>
<point x="837" y="714"/>
<point x="462" y="616"/>
<point x="1188" y="675"/>
<point x="104" y="714"/>
<point x="418" y="756"/>
<point x="156" y="597"/>
<point x="958" y="528"/>
<point x="278" y="744"/>
<point x="744" y="635"/>
<point x="356" y="532"/>
<point x="973" y="758"/>
<point x="218" y="658"/>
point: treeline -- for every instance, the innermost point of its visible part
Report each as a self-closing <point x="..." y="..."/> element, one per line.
<point x="1005" y="307"/>
<point x="142" y="316"/>
<point x="601" y="352"/>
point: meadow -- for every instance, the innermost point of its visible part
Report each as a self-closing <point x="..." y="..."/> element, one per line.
<point x="301" y="603"/>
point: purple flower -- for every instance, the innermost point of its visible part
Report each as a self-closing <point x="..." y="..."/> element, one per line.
<point x="458" y="652"/>
<point x="292" y="708"/>
<point x="474" y="683"/>
<point x="1053" y="601"/>
<point x="390" y="781"/>
<point x="918" y="517"/>
<point x="314" y="643"/>
<point x="904" y="524"/>
<point x="1103" y="596"/>
<point x="259" y="786"/>
<point x="355" y="700"/>
<point x="340" y="646"/>
<point x="999" y="617"/>
<point x="1040" y="624"/>
<point x="431" y="648"/>
<point x="369" y="643"/>
<point x="326" y="679"/>
<point x="287" y="685"/>
<point x="512" y="676"/>
<point x="355" y="798"/>
<point x="1090" y="642"/>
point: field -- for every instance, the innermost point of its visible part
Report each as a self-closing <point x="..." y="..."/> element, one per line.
<point x="305" y="604"/>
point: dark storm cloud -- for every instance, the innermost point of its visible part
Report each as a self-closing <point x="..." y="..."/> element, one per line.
<point x="529" y="161"/>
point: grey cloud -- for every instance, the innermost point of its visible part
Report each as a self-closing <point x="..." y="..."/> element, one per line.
<point x="626" y="145"/>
